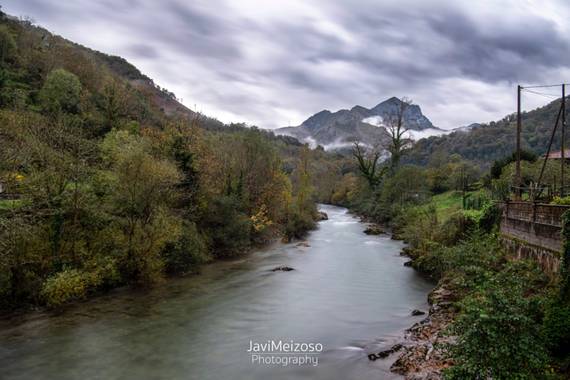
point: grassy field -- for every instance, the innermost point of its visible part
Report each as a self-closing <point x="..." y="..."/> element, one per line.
<point x="447" y="204"/>
<point x="451" y="202"/>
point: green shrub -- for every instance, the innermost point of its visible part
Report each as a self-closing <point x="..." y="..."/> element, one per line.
<point x="298" y="224"/>
<point x="102" y="272"/>
<point x="556" y="327"/>
<point x="67" y="285"/>
<point x="467" y="265"/>
<point x="186" y="253"/>
<point x="561" y="201"/>
<point x="227" y="227"/>
<point x="490" y="216"/>
<point x="498" y="330"/>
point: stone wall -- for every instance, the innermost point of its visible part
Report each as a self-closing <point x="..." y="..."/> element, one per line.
<point x="533" y="230"/>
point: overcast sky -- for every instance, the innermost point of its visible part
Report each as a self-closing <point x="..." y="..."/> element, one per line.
<point x="274" y="63"/>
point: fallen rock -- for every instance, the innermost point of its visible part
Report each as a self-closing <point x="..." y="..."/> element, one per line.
<point x="282" y="268"/>
<point x="322" y="216"/>
<point x="385" y="353"/>
<point x="373" y="230"/>
<point x="408" y="263"/>
<point x="417" y="312"/>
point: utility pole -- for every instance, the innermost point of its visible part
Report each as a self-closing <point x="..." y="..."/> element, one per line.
<point x="563" y="158"/>
<point x="518" y="167"/>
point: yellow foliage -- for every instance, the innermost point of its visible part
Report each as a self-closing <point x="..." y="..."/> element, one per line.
<point x="260" y="220"/>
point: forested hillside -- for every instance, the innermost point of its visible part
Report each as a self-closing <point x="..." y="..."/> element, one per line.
<point x="495" y="140"/>
<point x="108" y="180"/>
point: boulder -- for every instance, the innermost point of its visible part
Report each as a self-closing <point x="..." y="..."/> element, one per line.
<point x="322" y="216"/>
<point x="282" y="268"/>
<point x="373" y="230"/>
<point x="417" y="312"/>
<point x="385" y="353"/>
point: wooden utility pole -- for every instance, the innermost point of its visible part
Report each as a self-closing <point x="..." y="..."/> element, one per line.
<point x="518" y="167"/>
<point x="563" y="156"/>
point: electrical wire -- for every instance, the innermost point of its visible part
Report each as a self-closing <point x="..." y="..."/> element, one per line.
<point x="550" y="96"/>
<point x="545" y="85"/>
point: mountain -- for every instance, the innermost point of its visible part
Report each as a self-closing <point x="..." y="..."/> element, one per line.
<point x="483" y="143"/>
<point x="49" y="51"/>
<point x="334" y="130"/>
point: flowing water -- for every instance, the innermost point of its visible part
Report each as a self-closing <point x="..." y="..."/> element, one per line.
<point x="348" y="292"/>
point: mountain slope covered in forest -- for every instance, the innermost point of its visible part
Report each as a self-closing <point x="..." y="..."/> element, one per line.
<point x="107" y="180"/>
<point x="483" y="143"/>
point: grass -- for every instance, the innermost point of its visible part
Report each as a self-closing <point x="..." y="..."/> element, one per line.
<point x="447" y="204"/>
<point x="7" y="204"/>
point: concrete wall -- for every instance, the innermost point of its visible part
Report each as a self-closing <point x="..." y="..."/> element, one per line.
<point x="533" y="230"/>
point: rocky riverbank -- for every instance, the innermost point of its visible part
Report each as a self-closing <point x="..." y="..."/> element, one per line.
<point x="419" y="354"/>
<point x="422" y="355"/>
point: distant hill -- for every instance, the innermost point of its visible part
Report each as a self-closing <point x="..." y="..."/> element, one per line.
<point x="334" y="130"/>
<point x="483" y="143"/>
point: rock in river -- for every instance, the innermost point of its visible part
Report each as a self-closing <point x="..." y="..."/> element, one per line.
<point x="282" y="268"/>
<point x="373" y="230"/>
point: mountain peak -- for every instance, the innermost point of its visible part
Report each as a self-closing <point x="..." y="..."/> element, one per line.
<point x="344" y="126"/>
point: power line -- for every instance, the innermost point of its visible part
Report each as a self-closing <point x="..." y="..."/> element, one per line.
<point x="545" y="85"/>
<point x="550" y="96"/>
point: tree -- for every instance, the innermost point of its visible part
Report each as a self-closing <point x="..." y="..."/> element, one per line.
<point x="141" y="189"/>
<point x="60" y="93"/>
<point x="368" y="164"/>
<point x="7" y="45"/>
<point x="399" y="139"/>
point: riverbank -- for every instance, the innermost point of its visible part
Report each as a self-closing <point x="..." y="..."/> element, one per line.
<point x="419" y="353"/>
<point x="422" y="356"/>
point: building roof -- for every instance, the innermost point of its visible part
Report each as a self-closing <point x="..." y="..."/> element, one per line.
<point x="558" y="154"/>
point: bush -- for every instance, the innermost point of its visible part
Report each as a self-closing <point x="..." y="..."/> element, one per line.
<point x="67" y="285"/>
<point x="298" y="224"/>
<point x="102" y="272"/>
<point x="467" y="265"/>
<point x="186" y="253"/>
<point x="227" y="227"/>
<point x="498" y="330"/>
<point x="556" y="327"/>
<point x="490" y="217"/>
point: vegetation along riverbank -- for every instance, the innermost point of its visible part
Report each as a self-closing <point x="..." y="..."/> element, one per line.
<point x="489" y="313"/>
<point x="108" y="181"/>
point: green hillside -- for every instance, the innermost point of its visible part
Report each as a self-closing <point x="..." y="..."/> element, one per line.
<point x="495" y="140"/>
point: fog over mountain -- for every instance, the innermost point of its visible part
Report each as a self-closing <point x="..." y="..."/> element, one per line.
<point x="340" y="129"/>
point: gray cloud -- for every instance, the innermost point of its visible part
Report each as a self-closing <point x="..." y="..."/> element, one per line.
<point x="276" y="63"/>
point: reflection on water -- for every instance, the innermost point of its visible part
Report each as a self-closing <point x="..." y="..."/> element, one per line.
<point x="349" y="291"/>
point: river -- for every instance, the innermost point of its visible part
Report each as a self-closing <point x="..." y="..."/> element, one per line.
<point x="349" y="292"/>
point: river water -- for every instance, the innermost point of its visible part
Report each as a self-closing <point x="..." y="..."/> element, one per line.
<point x="348" y="292"/>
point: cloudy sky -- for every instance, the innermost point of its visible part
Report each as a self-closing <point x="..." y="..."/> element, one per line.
<point x="274" y="63"/>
